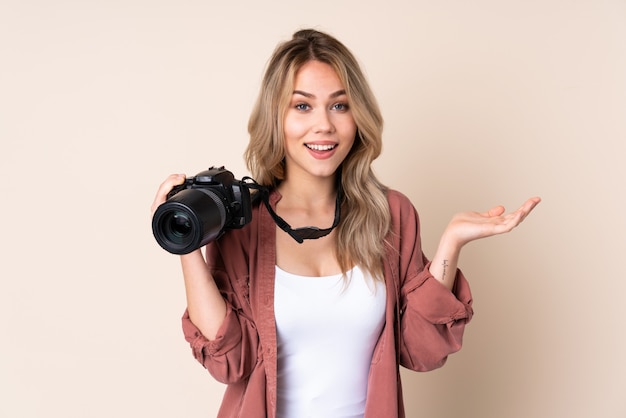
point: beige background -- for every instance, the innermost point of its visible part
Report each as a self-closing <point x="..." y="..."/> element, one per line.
<point x="486" y="102"/>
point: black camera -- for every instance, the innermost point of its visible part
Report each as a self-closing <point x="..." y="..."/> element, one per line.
<point x="200" y="210"/>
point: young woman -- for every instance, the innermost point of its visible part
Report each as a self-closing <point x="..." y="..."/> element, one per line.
<point x="305" y="321"/>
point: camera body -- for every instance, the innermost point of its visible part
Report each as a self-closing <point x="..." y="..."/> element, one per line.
<point x="200" y="210"/>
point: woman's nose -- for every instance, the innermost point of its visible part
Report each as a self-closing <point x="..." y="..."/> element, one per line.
<point x="323" y="122"/>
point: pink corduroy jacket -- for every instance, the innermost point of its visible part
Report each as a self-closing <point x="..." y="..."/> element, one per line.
<point x="424" y="320"/>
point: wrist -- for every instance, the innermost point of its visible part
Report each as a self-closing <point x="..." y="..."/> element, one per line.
<point x="450" y="243"/>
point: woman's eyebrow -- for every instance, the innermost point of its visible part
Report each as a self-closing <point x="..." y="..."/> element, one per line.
<point x="312" y="96"/>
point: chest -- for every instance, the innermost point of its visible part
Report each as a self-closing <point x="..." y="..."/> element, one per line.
<point x="329" y="305"/>
<point x="313" y="258"/>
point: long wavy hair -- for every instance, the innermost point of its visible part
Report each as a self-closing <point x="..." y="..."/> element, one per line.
<point x="365" y="222"/>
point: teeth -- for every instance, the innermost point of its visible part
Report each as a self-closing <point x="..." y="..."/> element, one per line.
<point x="320" y="147"/>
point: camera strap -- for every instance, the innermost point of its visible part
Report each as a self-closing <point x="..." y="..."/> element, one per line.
<point x="308" y="232"/>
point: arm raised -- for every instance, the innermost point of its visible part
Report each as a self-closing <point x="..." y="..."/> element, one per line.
<point x="205" y="304"/>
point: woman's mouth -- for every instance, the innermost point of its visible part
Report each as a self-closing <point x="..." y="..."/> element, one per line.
<point x="320" y="147"/>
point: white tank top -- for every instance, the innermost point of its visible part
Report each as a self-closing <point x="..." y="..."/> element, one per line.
<point x="326" y="336"/>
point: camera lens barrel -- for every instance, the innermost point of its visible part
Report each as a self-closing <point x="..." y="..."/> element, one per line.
<point x="189" y="220"/>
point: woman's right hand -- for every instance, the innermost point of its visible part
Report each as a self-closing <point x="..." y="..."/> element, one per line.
<point x="165" y="187"/>
<point x="206" y="306"/>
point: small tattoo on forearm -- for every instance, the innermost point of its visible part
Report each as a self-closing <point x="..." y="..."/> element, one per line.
<point x="445" y="268"/>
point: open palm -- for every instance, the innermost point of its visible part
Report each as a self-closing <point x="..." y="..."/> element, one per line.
<point x="469" y="226"/>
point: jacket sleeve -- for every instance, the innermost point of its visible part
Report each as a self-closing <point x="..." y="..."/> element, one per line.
<point x="232" y="355"/>
<point x="432" y="318"/>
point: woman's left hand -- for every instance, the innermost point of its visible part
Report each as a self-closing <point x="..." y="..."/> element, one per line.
<point x="469" y="226"/>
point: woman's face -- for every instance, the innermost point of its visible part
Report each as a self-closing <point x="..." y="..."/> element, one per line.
<point x="319" y="127"/>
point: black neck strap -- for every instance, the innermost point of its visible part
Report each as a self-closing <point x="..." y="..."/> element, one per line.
<point x="309" y="232"/>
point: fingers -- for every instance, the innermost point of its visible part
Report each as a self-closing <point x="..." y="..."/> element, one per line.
<point x="495" y="211"/>
<point x="165" y="187"/>
<point x="528" y="206"/>
<point x="525" y="209"/>
<point x="532" y="202"/>
<point x="515" y="218"/>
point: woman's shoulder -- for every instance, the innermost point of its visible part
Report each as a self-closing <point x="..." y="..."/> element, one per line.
<point x="404" y="215"/>
<point x="398" y="200"/>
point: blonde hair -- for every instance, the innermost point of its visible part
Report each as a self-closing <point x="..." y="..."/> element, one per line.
<point x="365" y="213"/>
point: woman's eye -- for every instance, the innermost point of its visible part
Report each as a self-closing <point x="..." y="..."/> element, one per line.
<point x="302" y="106"/>
<point x="342" y="107"/>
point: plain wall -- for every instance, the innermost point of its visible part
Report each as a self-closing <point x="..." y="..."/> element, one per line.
<point x="485" y="102"/>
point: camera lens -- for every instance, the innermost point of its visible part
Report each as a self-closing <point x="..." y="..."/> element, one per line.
<point x="178" y="225"/>
<point x="188" y="220"/>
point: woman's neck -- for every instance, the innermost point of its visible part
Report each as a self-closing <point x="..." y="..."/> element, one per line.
<point x="309" y="192"/>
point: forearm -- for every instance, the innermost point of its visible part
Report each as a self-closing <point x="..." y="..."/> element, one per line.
<point x="205" y="304"/>
<point x="443" y="266"/>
